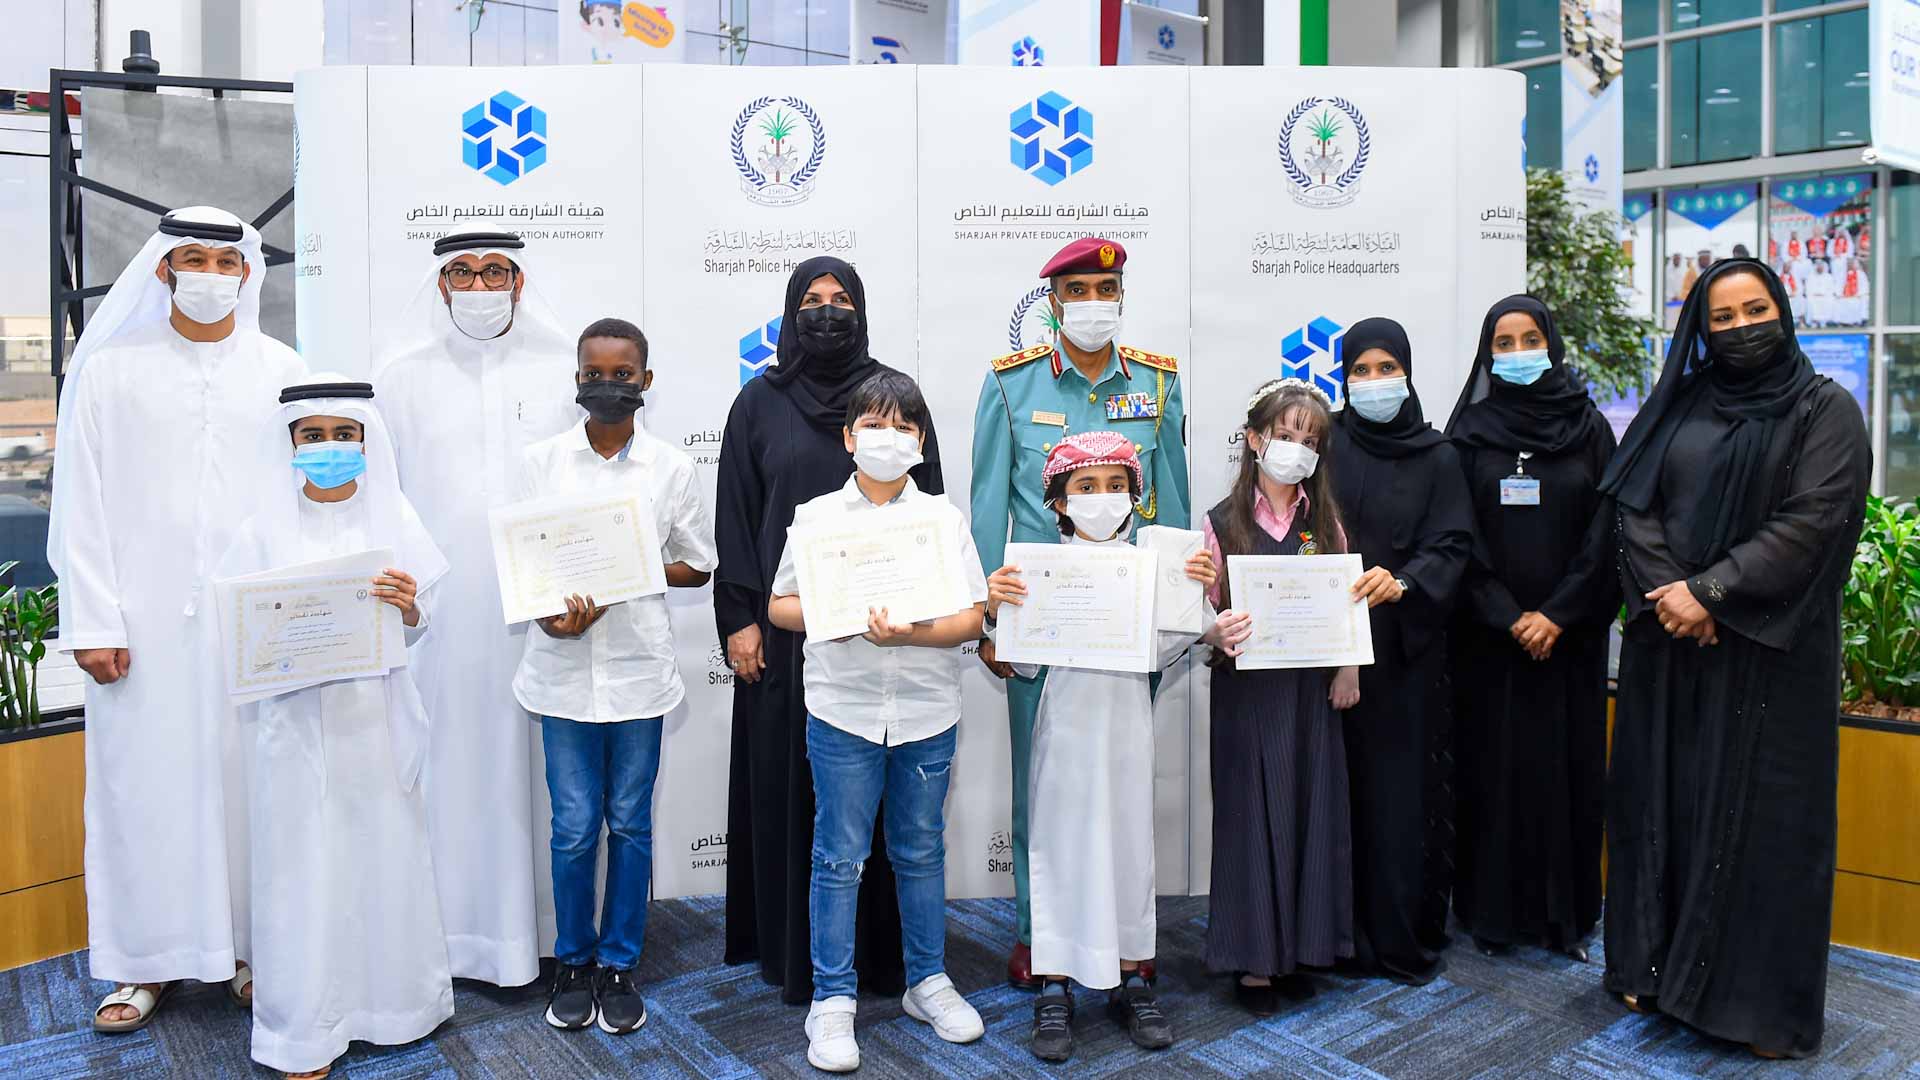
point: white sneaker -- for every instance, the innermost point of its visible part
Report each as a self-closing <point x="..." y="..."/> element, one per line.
<point x="936" y="1002"/>
<point x="830" y="1045"/>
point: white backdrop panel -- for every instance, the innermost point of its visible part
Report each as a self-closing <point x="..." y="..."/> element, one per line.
<point x="331" y="285"/>
<point x="1320" y="198"/>
<point x="722" y="239"/>
<point x="576" y="199"/>
<point x="986" y="227"/>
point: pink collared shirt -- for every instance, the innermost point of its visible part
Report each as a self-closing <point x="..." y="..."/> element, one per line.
<point x="1276" y="525"/>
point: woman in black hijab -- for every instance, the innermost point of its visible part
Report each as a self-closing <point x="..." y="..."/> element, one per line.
<point x="1529" y="643"/>
<point x="1406" y="509"/>
<point x="1741" y="487"/>
<point x="783" y="446"/>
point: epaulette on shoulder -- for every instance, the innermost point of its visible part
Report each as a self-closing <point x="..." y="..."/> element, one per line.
<point x="1024" y="356"/>
<point x="1152" y="360"/>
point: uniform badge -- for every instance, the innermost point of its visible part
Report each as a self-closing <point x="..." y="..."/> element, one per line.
<point x="1132" y="407"/>
<point x="1307" y="546"/>
<point x="1050" y="419"/>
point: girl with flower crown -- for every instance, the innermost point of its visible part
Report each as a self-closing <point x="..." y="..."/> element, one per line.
<point x="1282" y="889"/>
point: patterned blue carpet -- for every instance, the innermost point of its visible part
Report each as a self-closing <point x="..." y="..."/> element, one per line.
<point x="1528" y="1014"/>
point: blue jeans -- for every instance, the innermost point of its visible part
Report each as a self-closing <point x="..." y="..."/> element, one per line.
<point x="850" y="775"/>
<point x="601" y="774"/>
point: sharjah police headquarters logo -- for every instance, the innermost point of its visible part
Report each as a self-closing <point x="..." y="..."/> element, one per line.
<point x="1052" y="138"/>
<point x="778" y="144"/>
<point x="1165" y="36"/>
<point x="504" y="138"/>
<point x="1032" y="321"/>
<point x="1028" y="53"/>
<point x="1324" y="145"/>
<point x="758" y="349"/>
<point x="1312" y="354"/>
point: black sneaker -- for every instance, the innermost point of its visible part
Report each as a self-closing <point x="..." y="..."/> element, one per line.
<point x="1053" y="1023"/>
<point x="570" y="1003"/>
<point x="1135" y="1006"/>
<point x="621" y="1009"/>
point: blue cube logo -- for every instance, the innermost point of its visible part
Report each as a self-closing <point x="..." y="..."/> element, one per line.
<point x="1052" y="138"/>
<point x="1028" y="53"/>
<point x="504" y="138"/>
<point x="758" y="350"/>
<point x="1312" y="354"/>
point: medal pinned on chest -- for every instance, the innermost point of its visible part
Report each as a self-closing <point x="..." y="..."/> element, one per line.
<point x="1520" y="489"/>
<point x="1132" y="407"/>
<point x="1307" y="546"/>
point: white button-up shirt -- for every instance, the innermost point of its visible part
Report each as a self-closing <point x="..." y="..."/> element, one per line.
<point x="891" y="694"/>
<point x="623" y="667"/>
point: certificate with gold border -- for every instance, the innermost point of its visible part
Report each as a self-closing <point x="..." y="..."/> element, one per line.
<point x="600" y="544"/>
<point x="1087" y="606"/>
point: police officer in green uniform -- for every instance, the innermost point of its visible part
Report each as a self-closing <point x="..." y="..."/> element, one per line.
<point x="1082" y="382"/>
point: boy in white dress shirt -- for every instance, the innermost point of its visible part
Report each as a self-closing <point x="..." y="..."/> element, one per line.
<point x="882" y="708"/>
<point x="601" y="678"/>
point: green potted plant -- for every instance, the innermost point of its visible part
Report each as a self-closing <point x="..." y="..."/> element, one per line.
<point x="1880" y="617"/>
<point x="27" y="616"/>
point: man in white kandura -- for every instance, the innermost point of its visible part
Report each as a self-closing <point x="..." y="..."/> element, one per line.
<point x="156" y="438"/>
<point x="346" y="921"/>
<point x="486" y="375"/>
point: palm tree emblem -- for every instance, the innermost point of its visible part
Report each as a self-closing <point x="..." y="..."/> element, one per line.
<point x="1325" y="159"/>
<point x="777" y="127"/>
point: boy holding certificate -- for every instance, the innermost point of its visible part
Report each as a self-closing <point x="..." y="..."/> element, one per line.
<point x="1090" y="824"/>
<point x="347" y="939"/>
<point x="601" y="677"/>
<point x="882" y="708"/>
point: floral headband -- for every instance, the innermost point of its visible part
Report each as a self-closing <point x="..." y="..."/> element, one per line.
<point x="1274" y="386"/>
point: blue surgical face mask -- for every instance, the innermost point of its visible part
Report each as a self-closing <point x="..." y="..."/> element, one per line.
<point x="1378" y="400"/>
<point x="1522" y="368"/>
<point x="330" y="464"/>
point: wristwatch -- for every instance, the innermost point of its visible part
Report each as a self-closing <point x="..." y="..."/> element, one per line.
<point x="1404" y="587"/>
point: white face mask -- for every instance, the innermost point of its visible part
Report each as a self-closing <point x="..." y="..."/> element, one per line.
<point x="885" y="454"/>
<point x="1100" y="516"/>
<point x="1090" y="324"/>
<point x="205" y="298"/>
<point x="1288" y="462"/>
<point x="481" y="314"/>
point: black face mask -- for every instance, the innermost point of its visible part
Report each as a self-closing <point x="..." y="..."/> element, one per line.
<point x="608" y="402"/>
<point x="1745" y="348"/>
<point x="827" y="332"/>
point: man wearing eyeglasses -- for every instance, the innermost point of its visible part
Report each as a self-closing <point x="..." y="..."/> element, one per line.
<point x="487" y="374"/>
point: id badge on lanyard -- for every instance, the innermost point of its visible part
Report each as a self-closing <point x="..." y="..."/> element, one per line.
<point x="1520" y="489"/>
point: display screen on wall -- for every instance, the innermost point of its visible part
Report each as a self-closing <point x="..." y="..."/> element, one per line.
<point x="1637" y="240"/>
<point x="1819" y="240"/>
<point x="1705" y="225"/>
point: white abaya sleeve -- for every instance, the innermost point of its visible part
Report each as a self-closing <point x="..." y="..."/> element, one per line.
<point x="83" y="558"/>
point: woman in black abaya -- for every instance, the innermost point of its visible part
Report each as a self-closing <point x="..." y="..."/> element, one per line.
<point x="1529" y="643"/>
<point x="1406" y="509"/>
<point x="783" y="446"/>
<point x="1741" y="488"/>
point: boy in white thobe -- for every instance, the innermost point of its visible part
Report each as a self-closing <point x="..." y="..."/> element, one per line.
<point x="156" y="442"/>
<point x="1090" y="787"/>
<point x="486" y="375"/>
<point x="347" y="936"/>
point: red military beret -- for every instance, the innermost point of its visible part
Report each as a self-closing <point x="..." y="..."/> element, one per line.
<point x="1088" y="255"/>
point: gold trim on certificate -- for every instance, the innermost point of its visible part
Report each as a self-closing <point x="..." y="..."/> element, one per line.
<point x="600" y="544"/>
<point x="1304" y="614"/>
<point x="1087" y="606"/>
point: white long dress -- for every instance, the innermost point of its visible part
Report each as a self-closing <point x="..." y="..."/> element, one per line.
<point x="159" y="444"/>
<point x="1090" y="818"/>
<point x="347" y="939"/>
<point x="489" y="834"/>
<point x="1822" y="291"/>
